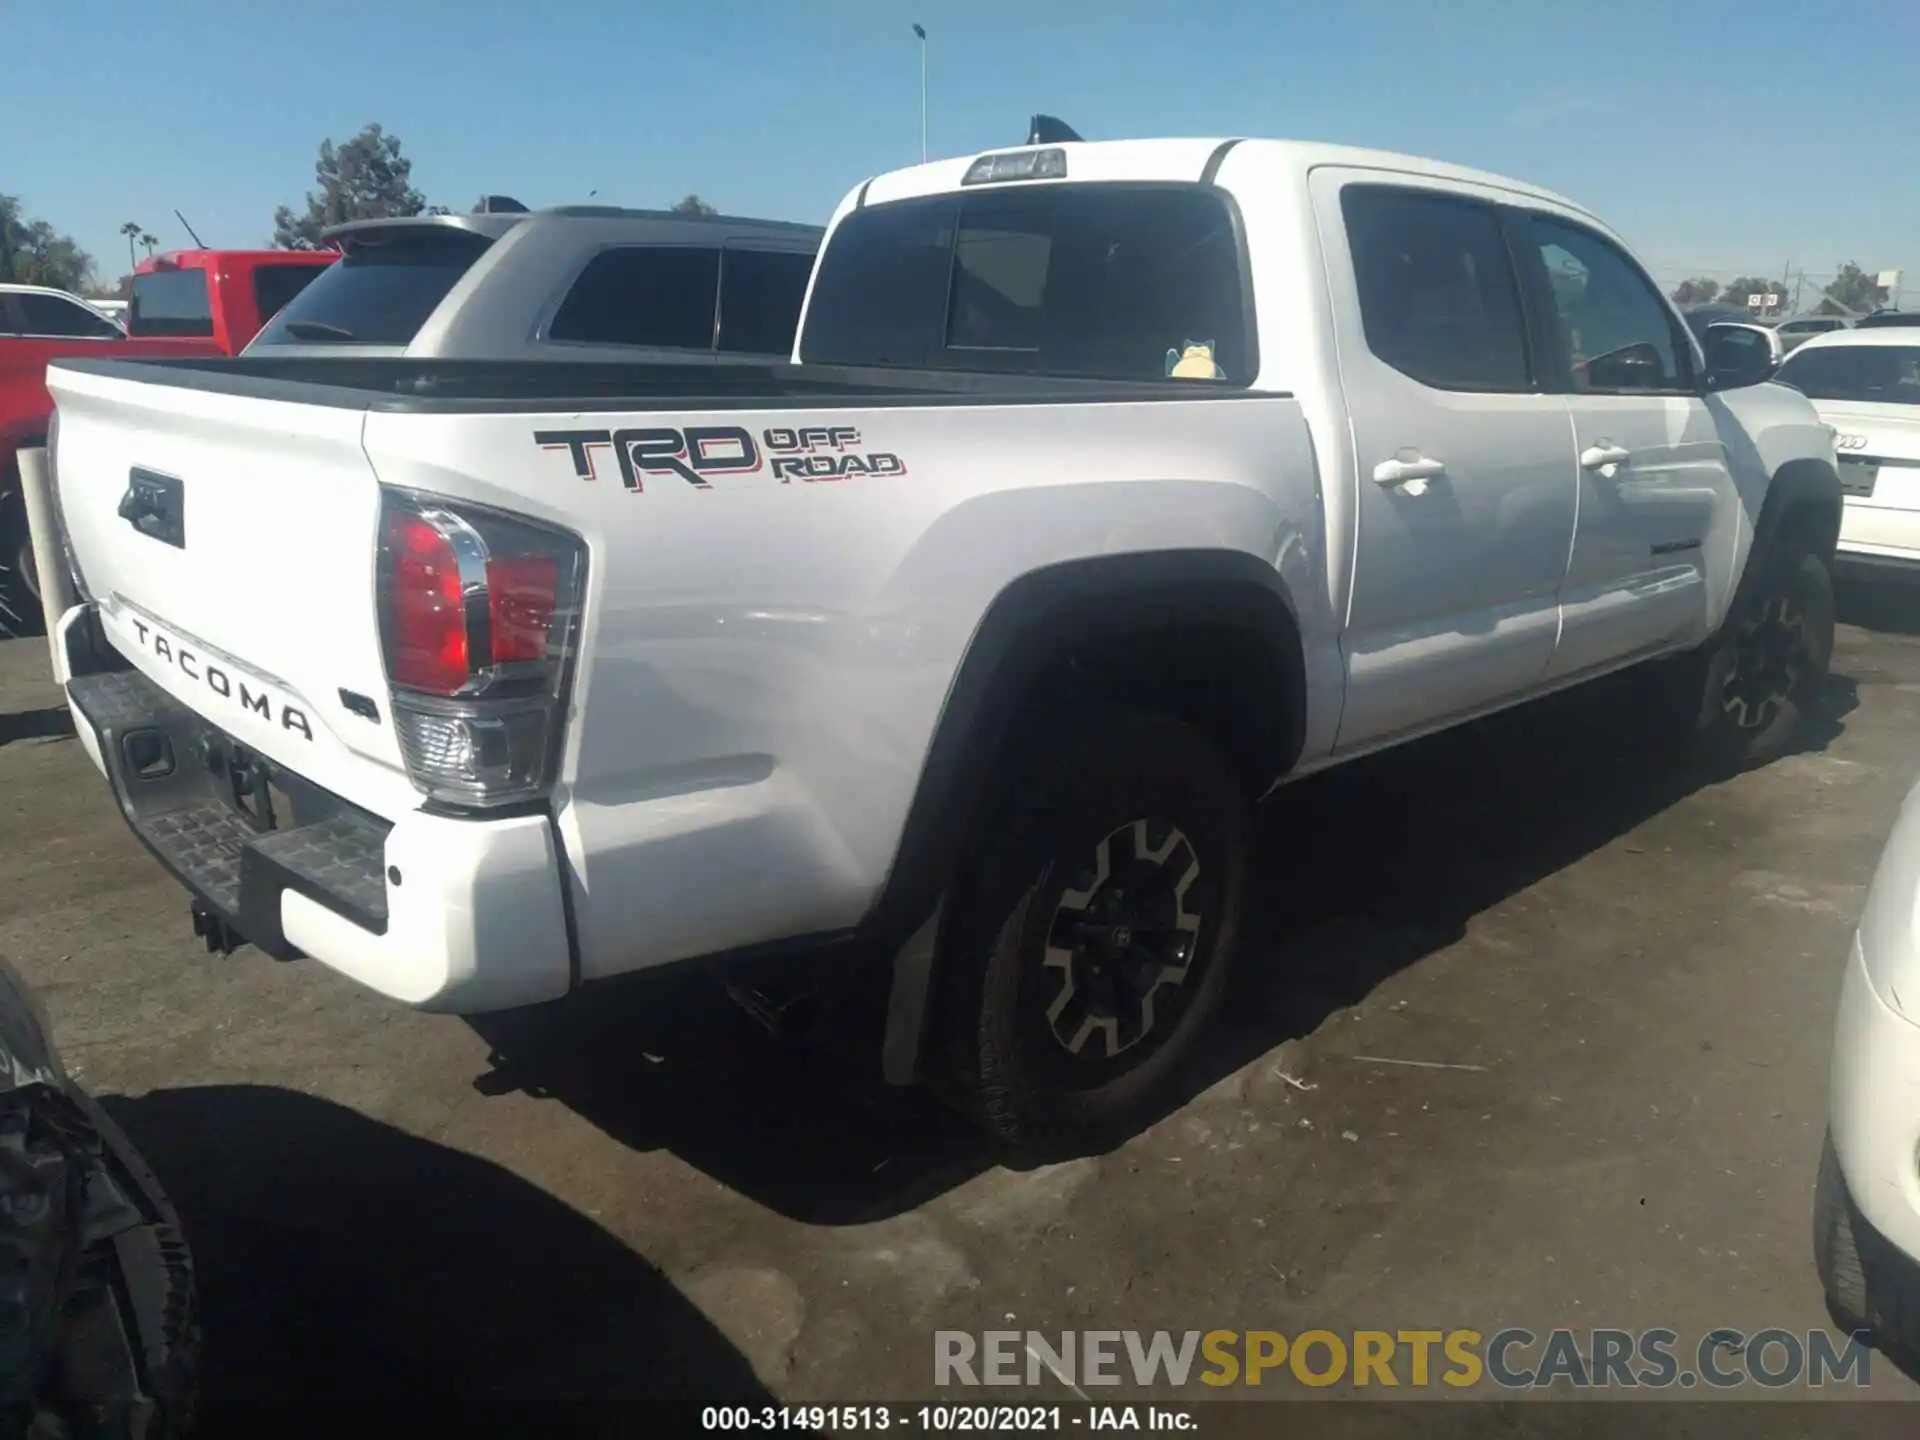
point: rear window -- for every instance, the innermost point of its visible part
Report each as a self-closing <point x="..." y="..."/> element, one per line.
<point x="275" y="285"/>
<point x="1865" y="374"/>
<point x="1121" y="282"/>
<point x="760" y="296"/>
<point x="170" y="302"/>
<point x="657" y="295"/>
<point x="381" y="291"/>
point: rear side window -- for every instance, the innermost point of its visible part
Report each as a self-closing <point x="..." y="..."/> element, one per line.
<point x="275" y="285"/>
<point x="760" y="296"/>
<point x="656" y="295"/>
<point x="1865" y="374"/>
<point x="381" y="291"/>
<point x="170" y="302"/>
<point x="1121" y="282"/>
<point x="51" y="315"/>
<point x="1439" y="299"/>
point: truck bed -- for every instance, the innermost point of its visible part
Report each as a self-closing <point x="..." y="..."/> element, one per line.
<point x="521" y="386"/>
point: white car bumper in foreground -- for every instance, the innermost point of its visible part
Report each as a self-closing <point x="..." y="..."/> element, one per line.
<point x="1875" y="1084"/>
<point x="438" y="911"/>
<point x="1875" y="1107"/>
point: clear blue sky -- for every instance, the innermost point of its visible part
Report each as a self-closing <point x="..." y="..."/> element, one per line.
<point x="1717" y="137"/>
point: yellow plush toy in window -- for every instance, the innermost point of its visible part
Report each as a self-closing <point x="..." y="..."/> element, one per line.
<point x="1194" y="361"/>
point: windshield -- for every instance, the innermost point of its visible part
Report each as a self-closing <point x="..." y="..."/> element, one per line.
<point x="381" y="292"/>
<point x="1866" y="374"/>
<point x="1112" y="281"/>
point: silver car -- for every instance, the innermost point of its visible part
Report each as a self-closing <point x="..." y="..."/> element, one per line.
<point x="574" y="283"/>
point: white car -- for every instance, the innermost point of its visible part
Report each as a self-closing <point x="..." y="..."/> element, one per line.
<point x="1866" y="385"/>
<point x="1867" y="1198"/>
<point x="1115" y="483"/>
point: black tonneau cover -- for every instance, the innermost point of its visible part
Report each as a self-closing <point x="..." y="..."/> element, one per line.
<point x="513" y="386"/>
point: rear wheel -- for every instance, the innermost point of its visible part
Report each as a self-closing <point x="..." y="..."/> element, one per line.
<point x="1096" y="930"/>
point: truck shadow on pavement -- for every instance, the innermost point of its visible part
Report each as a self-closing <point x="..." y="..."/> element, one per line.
<point x="55" y="722"/>
<point x="1407" y="847"/>
<point x="350" y="1272"/>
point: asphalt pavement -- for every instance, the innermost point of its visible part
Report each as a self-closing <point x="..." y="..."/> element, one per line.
<point x="1533" y="1031"/>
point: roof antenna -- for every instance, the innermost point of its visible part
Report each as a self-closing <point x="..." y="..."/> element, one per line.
<point x="189" y="229"/>
<point x="1050" y="130"/>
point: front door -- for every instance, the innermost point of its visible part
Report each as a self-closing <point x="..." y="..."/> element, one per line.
<point x="1653" y="471"/>
<point x="1465" y="469"/>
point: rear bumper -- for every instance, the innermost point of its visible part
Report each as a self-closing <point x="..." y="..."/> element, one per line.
<point x="438" y="912"/>
<point x="1878" y="541"/>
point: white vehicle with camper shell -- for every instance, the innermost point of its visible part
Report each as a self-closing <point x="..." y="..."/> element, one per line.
<point x="1113" y="485"/>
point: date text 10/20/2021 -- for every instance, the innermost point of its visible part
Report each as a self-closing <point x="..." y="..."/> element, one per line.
<point x="947" y="1419"/>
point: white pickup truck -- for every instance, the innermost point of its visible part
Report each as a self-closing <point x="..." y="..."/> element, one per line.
<point x="1112" y="485"/>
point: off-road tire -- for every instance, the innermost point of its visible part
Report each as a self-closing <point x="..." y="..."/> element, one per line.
<point x="1072" y="793"/>
<point x="1869" y="1284"/>
<point x="1746" y="694"/>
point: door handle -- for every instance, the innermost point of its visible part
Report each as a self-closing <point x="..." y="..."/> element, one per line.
<point x="1596" y="457"/>
<point x="1399" y="472"/>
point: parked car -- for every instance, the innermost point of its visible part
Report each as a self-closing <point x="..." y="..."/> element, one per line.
<point x="1796" y="330"/>
<point x="220" y="295"/>
<point x="1866" y="385"/>
<point x="36" y="325"/>
<point x="1888" y="319"/>
<point x="1866" y="1229"/>
<point x="1098" y="503"/>
<point x="101" y="1325"/>
<point x="575" y="283"/>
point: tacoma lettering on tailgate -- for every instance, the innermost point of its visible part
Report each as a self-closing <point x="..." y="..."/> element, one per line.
<point x="699" y="453"/>
<point x="228" y="687"/>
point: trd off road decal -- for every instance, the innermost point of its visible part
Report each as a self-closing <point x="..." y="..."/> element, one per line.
<point x="700" y="454"/>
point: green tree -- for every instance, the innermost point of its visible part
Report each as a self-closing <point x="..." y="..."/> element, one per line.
<point x="1697" y="291"/>
<point x="132" y="229"/>
<point x="1738" y="291"/>
<point x="32" y="252"/>
<point x="694" y="205"/>
<point x="365" y="178"/>
<point x="1855" y="289"/>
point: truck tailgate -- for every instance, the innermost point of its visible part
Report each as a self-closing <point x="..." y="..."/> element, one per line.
<point x="230" y="544"/>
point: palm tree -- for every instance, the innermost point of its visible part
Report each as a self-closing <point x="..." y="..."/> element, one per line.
<point x="132" y="230"/>
<point x="149" y="241"/>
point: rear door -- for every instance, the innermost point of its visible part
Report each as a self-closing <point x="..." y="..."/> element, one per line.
<point x="1466" y="468"/>
<point x="1653" y="472"/>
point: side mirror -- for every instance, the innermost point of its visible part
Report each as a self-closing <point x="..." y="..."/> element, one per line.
<point x="1740" y="355"/>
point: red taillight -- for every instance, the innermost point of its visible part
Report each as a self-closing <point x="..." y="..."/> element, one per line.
<point x="522" y="591"/>
<point x="480" y="618"/>
<point x="428" y="616"/>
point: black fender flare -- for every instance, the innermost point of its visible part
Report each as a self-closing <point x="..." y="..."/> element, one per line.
<point x="1797" y="486"/>
<point x="1034" y="621"/>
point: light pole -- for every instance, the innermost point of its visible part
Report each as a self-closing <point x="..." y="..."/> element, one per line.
<point x="921" y="32"/>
